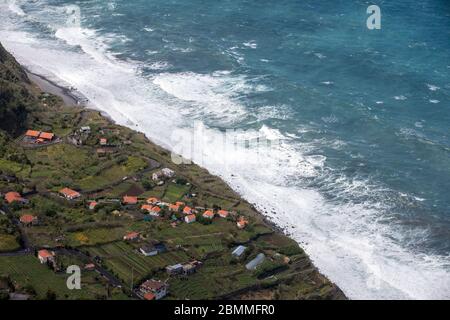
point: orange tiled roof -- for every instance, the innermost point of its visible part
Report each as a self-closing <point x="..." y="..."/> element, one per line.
<point x="223" y="213"/>
<point x="149" y="296"/>
<point x="146" y="207"/>
<point x="93" y="204"/>
<point x="27" y="218"/>
<point x="208" y="214"/>
<point x="156" y="209"/>
<point x="131" y="235"/>
<point x="46" y="135"/>
<point x="44" y="254"/>
<point x="32" y="133"/>
<point x="179" y="203"/>
<point x="187" y="210"/>
<point x="174" y="207"/>
<point x="10" y="197"/>
<point x="242" y="222"/>
<point x="152" y="200"/>
<point x="130" y="200"/>
<point x="69" y="192"/>
<point x="190" y="217"/>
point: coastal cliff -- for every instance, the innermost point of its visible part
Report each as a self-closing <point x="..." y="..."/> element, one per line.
<point x="124" y="166"/>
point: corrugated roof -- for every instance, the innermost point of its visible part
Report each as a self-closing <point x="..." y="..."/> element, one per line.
<point x="238" y="251"/>
<point x="255" y="262"/>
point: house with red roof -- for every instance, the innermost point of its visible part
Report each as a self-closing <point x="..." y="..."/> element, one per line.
<point x="89" y="266"/>
<point x="174" y="207"/>
<point x="129" y="200"/>
<point x="45" y="256"/>
<point x="187" y="210"/>
<point x="69" y="194"/>
<point x="155" y="211"/>
<point x="242" y="223"/>
<point x="13" y="196"/>
<point x="208" y="214"/>
<point x="223" y="213"/>
<point x="92" y="205"/>
<point x="152" y="200"/>
<point x="153" y="289"/>
<point x="103" y="141"/>
<point x="32" y="134"/>
<point x="46" y="136"/>
<point x="28" y="219"/>
<point x="189" y="218"/>
<point x="131" y="236"/>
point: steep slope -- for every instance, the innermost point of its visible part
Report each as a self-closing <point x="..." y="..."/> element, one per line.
<point x="16" y="98"/>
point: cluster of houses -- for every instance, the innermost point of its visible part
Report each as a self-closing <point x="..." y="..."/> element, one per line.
<point x="183" y="269"/>
<point x="155" y="289"/>
<point x="153" y="206"/>
<point x="40" y="137"/>
<point x="78" y="137"/>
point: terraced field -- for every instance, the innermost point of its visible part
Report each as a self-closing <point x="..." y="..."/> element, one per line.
<point x="123" y="260"/>
<point x="27" y="271"/>
<point x="211" y="281"/>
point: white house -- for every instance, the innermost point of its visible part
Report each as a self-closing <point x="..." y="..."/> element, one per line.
<point x="157" y="288"/>
<point x="44" y="256"/>
<point x="163" y="173"/>
<point x="148" y="251"/>
<point x="189" y="218"/>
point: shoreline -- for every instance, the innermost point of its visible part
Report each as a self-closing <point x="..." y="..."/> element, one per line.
<point x="66" y="94"/>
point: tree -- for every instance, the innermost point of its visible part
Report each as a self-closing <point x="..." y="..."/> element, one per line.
<point x="147" y="184"/>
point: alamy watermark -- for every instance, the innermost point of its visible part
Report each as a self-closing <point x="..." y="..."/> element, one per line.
<point x="231" y="146"/>
<point x="74" y="280"/>
<point x="374" y="20"/>
<point x="69" y="15"/>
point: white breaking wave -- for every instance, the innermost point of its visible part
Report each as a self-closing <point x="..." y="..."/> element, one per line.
<point x="211" y="95"/>
<point x="350" y="242"/>
<point x="15" y="7"/>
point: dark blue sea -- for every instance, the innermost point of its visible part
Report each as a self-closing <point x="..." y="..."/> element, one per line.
<point x="347" y="129"/>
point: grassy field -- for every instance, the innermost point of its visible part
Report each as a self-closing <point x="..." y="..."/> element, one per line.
<point x="95" y="236"/>
<point x="210" y="282"/>
<point x="175" y="192"/>
<point x="8" y="242"/>
<point x="121" y="258"/>
<point x="112" y="175"/>
<point x="15" y="168"/>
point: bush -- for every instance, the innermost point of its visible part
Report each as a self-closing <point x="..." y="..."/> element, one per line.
<point x="290" y="250"/>
<point x="181" y="181"/>
<point x="147" y="184"/>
